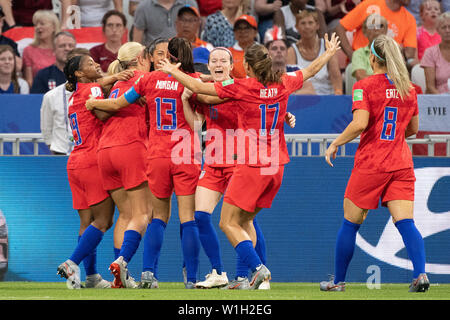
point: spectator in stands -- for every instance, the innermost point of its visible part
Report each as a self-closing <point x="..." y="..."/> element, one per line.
<point x="245" y="32"/>
<point x="132" y="6"/>
<point x="427" y="35"/>
<point x="436" y="62"/>
<point x="310" y="46"/>
<point x="10" y="42"/>
<point x="52" y="76"/>
<point x="188" y="26"/>
<point x="9" y="82"/>
<point x="265" y="10"/>
<point x="201" y="56"/>
<point x="91" y="11"/>
<point x="402" y="26"/>
<point x="55" y="127"/>
<point x="6" y="11"/>
<point x="207" y="7"/>
<point x="414" y="8"/>
<point x="335" y="10"/>
<point x="277" y="46"/>
<point x="218" y="29"/>
<point x="3" y="39"/>
<point x="40" y="53"/>
<point x="114" y="26"/>
<point x="156" y="18"/>
<point x="286" y="18"/>
<point x="21" y="12"/>
<point x="373" y="26"/>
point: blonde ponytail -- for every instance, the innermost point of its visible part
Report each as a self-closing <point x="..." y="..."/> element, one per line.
<point x="388" y="54"/>
<point x="126" y="57"/>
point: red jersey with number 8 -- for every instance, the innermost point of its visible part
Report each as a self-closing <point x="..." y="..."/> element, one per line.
<point x="383" y="146"/>
<point x="86" y="127"/>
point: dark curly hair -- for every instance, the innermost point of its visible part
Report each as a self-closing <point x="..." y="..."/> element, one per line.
<point x="71" y="66"/>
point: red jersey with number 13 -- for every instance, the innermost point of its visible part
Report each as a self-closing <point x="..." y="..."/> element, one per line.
<point x="168" y="126"/>
<point x="86" y="127"/>
<point x="382" y="146"/>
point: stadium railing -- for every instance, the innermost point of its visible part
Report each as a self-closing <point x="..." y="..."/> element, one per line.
<point x="296" y="143"/>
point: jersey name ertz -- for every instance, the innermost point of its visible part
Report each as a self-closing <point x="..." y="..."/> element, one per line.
<point x="268" y="93"/>
<point x="167" y="85"/>
<point x="391" y="94"/>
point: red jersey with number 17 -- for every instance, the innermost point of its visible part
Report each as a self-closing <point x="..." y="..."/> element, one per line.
<point x="382" y="146"/>
<point x="168" y="126"/>
<point x="86" y="127"/>
<point x="261" y="112"/>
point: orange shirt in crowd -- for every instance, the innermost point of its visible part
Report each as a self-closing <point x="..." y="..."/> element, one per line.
<point x="402" y="25"/>
<point x="238" y="62"/>
<point x="200" y="43"/>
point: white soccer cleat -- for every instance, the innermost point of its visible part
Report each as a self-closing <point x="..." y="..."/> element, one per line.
<point x="71" y="272"/>
<point x="265" y="285"/>
<point x="260" y="275"/>
<point x="122" y="278"/>
<point x="97" y="282"/>
<point x="213" y="280"/>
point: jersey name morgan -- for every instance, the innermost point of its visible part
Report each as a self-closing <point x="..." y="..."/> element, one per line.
<point x="166" y="85"/>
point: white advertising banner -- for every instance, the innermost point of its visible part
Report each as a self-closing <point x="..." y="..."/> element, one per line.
<point x="434" y="112"/>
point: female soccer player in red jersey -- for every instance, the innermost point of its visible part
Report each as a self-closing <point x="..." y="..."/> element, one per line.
<point x="217" y="171"/>
<point x="168" y="170"/>
<point x="89" y="197"/>
<point x="122" y="152"/>
<point x="261" y="100"/>
<point x="385" y="113"/>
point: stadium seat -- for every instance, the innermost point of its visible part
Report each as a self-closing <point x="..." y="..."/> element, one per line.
<point x="349" y="79"/>
<point x="418" y="77"/>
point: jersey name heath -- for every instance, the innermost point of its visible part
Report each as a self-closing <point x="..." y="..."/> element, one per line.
<point x="268" y="93"/>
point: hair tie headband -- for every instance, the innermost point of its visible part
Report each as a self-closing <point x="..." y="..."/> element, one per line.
<point x="372" y="48"/>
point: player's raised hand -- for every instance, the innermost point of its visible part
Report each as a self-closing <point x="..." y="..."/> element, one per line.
<point x="331" y="154"/>
<point x="333" y="45"/>
<point x="167" y="67"/>
<point x="290" y="119"/>
<point x="124" y="75"/>
<point x="187" y="94"/>
<point x="142" y="101"/>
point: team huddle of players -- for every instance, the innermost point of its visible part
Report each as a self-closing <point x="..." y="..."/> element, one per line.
<point x="134" y="149"/>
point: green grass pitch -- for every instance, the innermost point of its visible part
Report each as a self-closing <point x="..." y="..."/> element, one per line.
<point x="175" y="291"/>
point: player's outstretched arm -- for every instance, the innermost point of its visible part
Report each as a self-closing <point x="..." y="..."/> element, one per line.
<point x="107" y="104"/>
<point x="189" y="82"/>
<point x="189" y="114"/>
<point x="332" y="46"/>
<point x="111" y="79"/>
<point x="353" y="130"/>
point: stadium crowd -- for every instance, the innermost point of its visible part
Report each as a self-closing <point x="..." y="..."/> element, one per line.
<point x="416" y="25"/>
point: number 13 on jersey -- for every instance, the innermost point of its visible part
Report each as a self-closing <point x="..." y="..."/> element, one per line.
<point x="170" y="112"/>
